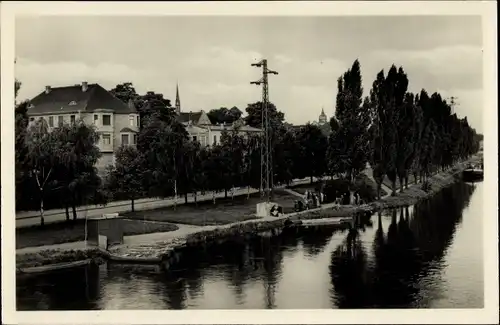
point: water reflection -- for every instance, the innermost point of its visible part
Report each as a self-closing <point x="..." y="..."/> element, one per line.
<point x="408" y="257"/>
<point x="412" y="247"/>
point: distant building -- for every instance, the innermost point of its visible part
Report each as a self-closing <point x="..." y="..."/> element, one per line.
<point x="201" y="129"/>
<point x="117" y="123"/>
<point x="322" y="124"/>
<point x="322" y="118"/>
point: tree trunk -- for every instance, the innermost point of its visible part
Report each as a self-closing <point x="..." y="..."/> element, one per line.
<point x="393" y="187"/>
<point x="225" y="193"/>
<point x="73" y="207"/>
<point x="185" y="198"/>
<point x="133" y="204"/>
<point x="42" y="219"/>
<point x="379" y="189"/>
<point x="401" y="184"/>
<point x="248" y="192"/>
<point x="406" y="181"/>
<point x="66" y="208"/>
<point x="312" y="179"/>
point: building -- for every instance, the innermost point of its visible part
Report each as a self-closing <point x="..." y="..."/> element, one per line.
<point x="200" y="128"/>
<point x="322" y="118"/>
<point x="117" y="123"/>
<point x="322" y="123"/>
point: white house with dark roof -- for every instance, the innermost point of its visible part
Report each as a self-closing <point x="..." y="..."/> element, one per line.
<point x="117" y="123"/>
<point x="200" y="128"/>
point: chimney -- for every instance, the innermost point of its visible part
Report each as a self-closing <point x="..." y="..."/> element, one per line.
<point x="47" y="89"/>
<point x="85" y="86"/>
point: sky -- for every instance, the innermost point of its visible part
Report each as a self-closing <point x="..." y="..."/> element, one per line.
<point x="210" y="56"/>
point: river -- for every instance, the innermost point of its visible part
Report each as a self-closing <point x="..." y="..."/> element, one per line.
<point x="426" y="256"/>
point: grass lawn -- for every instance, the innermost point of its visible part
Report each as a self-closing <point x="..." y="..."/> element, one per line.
<point x="224" y="211"/>
<point x="58" y="233"/>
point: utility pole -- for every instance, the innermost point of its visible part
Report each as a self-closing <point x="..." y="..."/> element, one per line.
<point x="266" y="161"/>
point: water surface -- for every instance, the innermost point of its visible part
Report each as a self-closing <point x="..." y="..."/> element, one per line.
<point x="426" y="256"/>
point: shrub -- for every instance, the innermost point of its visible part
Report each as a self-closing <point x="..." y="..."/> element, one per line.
<point x="335" y="188"/>
<point x="426" y="186"/>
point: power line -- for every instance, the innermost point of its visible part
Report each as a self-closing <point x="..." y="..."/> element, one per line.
<point x="266" y="168"/>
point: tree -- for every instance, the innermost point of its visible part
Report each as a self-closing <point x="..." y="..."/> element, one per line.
<point x="126" y="92"/>
<point x="349" y="144"/>
<point x="286" y="154"/>
<point x="383" y="129"/>
<point x="75" y="172"/>
<point x="312" y="150"/>
<point x="224" y="115"/>
<point x="161" y="144"/>
<point x="233" y="151"/>
<point x="254" y="116"/>
<point x="125" y="178"/>
<point x="43" y="153"/>
<point x="397" y="85"/>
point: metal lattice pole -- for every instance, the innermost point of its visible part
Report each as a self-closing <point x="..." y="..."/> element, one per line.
<point x="266" y="169"/>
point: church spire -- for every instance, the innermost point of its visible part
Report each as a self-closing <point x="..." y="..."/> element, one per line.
<point x="322" y="117"/>
<point x="177" y="100"/>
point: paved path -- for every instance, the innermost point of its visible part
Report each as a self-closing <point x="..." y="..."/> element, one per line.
<point x="78" y="245"/>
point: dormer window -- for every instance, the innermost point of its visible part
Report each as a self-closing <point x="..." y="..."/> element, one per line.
<point x="72" y="103"/>
<point x="31" y="106"/>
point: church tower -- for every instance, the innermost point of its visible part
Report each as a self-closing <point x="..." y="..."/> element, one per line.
<point x="177" y="101"/>
<point x="322" y="117"/>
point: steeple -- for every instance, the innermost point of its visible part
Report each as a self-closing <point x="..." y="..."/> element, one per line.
<point x="322" y="117"/>
<point x="177" y="100"/>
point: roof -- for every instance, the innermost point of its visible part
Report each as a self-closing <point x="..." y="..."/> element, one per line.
<point x="73" y="99"/>
<point x="229" y="127"/>
<point x="186" y="117"/>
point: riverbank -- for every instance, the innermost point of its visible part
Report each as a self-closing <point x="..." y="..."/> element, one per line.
<point x="163" y="247"/>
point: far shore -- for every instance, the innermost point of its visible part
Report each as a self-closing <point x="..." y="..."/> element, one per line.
<point x="157" y="247"/>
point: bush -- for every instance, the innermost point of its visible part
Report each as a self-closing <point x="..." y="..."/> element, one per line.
<point x="366" y="188"/>
<point x="335" y="188"/>
<point x="426" y="186"/>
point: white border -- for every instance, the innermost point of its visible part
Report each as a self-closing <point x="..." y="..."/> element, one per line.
<point x="487" y="9"/>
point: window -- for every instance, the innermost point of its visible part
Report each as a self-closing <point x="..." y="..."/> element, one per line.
<point x="135" y="138"/>
<point x="96" y="118"/>
<point x="125" y="139"/>
<point x="131" y="120"/>
<point x="51" y="121"/>
<point x="106" y="120"/>
<point x="138" y="120"/>
<point x="60" y="120"/>
<point x="106" y="139"/>
<point x="32" y="119"/>
<point x="73" y="119"/>
<point x="194" y="138"/>
<point x="215" y="140"/>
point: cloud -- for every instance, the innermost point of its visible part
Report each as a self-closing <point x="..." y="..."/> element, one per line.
<point x="452" y="67"/>
<point x="211" y="62"/>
